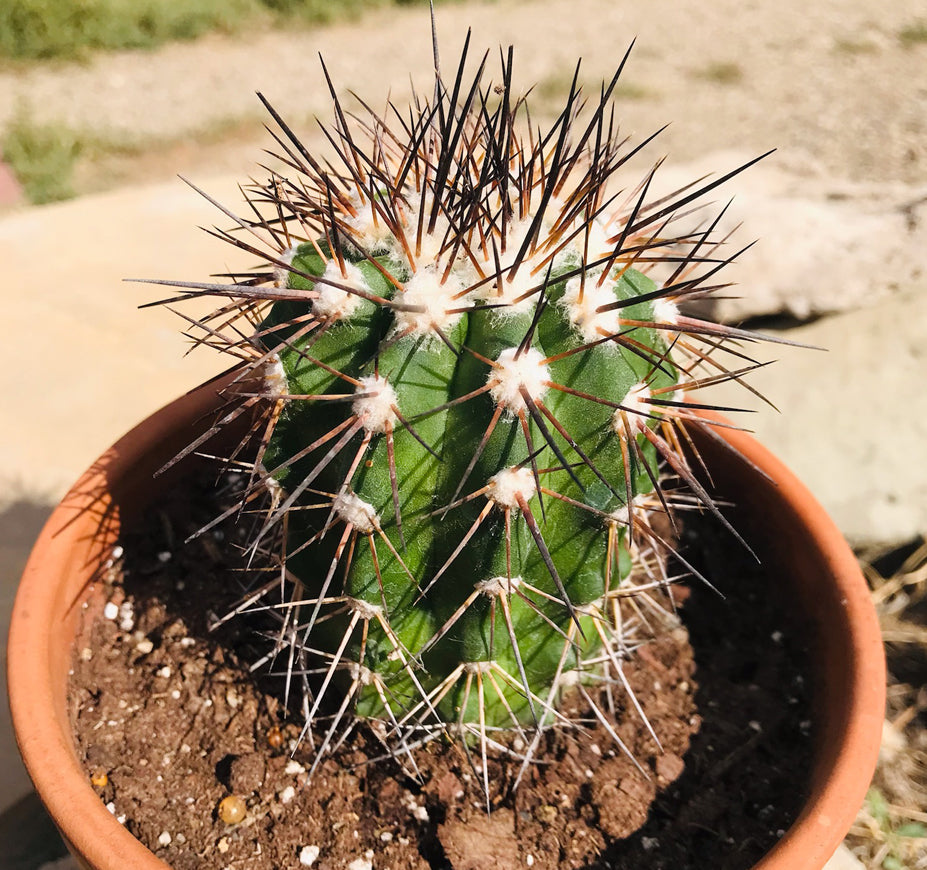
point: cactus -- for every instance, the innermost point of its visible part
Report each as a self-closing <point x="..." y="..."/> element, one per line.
<point x="467" y="371"/>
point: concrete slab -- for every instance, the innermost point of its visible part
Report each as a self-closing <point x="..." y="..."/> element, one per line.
<point x="79" y="363"/>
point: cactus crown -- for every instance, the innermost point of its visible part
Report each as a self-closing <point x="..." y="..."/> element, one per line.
<point x="466" y="368"/>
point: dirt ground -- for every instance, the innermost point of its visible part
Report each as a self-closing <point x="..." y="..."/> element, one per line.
<point x="838" y="86"/>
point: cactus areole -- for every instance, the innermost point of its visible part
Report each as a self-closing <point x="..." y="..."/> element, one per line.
<point x="465" y="365"/>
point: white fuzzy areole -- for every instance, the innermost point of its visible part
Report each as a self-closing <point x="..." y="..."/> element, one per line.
<point x="361" y="674"/>
<point x="511" y="373"/>
<point x="517" y="292"/>
<point x="635" y="407"/>
<point x="580" y="301"/>
<point x="369" y="229"/>
<point x="635" y="511"/>
<point x="598" y="245"/>
<point x="508" y="484"/>
<point x="353" y="510"/>
<point x="665" y="311"/>
<point x="517" y="295"/>
<point x="365" y="609"/>
<point x="426" y="252"/>
<point x="435" y="298"/>
<point x="333" y="303"/>
<point x="274" y="375"/>
<point x="496" y="586"/>
<point x="569" y="679"/>
<point x="281" y="274"/>
<point x="375" y="404"/>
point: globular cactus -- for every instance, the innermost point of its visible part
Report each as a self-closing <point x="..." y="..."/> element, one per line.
<point x="467" y="371"/>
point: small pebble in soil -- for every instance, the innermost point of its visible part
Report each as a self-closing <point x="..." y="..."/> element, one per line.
<point x="126" y="616"/>
<point x="308" y="854"/>
<point x="99" y="779"/>
<point x="232" y="809"/>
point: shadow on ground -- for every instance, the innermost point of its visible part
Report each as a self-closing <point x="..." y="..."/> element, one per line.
<point x="28" y="838"/>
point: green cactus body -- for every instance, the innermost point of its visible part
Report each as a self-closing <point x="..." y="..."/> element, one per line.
<point x="519" y="601"/>
<point x="467" y="372"/>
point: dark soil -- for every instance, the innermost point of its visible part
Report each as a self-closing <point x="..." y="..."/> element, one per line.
<point x="169" y="723"/>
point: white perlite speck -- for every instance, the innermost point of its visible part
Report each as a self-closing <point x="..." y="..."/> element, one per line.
<point x="308" y="855"/>
<point x="287" y="794"/>
<point x="126" y="616"/>
<point x="111" y="610"/>
<point x="164" y="838"/>
<point x="361" y="864"/>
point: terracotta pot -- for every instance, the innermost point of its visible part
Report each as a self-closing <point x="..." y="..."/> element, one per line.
<point x="782" y="520"/>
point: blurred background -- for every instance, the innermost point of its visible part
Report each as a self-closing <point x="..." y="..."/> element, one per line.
<point x="103" y="103"/>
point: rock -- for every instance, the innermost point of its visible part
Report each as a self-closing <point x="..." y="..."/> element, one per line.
<point x="853" y="421"/>
<point x="844" y="859"/>
<point x="823" y="245"/>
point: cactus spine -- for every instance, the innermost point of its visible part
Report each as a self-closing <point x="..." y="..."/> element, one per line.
<point x="465" y="367"/>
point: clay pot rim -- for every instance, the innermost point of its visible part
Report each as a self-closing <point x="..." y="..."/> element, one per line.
<point x="101" y="841"/>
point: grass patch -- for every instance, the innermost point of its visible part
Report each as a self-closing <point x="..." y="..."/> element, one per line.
<point x="71" y="29"/>
<point x="853" y="47"/>
<point x="722" y="73"/>
<point x="42" y="157"/>
<point x="914" y="34"/>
